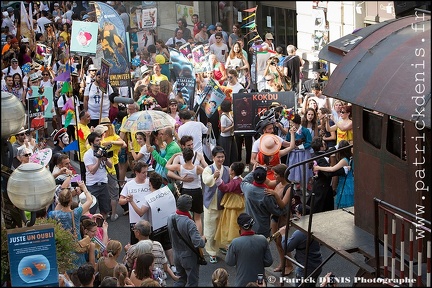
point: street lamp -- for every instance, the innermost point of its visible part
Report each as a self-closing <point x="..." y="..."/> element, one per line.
<point x="31" y="186"/>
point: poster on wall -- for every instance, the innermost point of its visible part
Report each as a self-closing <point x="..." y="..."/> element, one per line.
<point x="149" y="18"/>
<point x="145" y="38"/>
<point x="186" y="12"/>
<point x="248" y="105"/>
<point x="32" y="256"/>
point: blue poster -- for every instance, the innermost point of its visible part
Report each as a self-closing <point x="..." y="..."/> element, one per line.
<point x="113" y="41"/>
<point x="212" y="98"/>
<point x="32" y="256"/>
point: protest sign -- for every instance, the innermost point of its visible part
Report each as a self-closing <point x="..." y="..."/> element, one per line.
<point x="162" y="204"/>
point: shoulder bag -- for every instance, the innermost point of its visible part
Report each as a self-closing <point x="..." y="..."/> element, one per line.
<point x="82" y="245"/>
<point x="209" y="143"/>
<point x="197" y="251"/>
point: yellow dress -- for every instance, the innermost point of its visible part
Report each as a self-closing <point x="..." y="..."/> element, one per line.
<point x="234" y="205"/>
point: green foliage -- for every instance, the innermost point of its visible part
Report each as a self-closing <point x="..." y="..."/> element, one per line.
<point x="64" y="247"/>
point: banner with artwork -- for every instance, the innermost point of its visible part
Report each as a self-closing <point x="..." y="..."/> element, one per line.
<point x="248" y="105"/>
<point x="149" y="18"/>
<point x="43" y="54"/>
<point x="104" y="72"/>
<point x="212" y="97"/>
<point x="113" y="40"/>
<point x="145" y="38"/>
<point x="182" y="70"/>
<point x="186" y="50"/>
<point x="200" y="60"/>
<point x="37" y="104"/>
<point x="84" y="37"/>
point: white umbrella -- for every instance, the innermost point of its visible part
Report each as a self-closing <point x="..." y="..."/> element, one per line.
<point x="148" y="120"/>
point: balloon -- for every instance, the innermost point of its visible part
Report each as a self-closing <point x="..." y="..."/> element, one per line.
<point x="160" y="59"/>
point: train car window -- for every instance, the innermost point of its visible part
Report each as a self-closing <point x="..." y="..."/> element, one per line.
<point x="372" y="127"/>
<point x="396" y="137"/>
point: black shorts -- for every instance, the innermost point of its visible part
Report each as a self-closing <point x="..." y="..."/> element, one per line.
<point x="163" y="238"/>
<point x="197" y="199"/>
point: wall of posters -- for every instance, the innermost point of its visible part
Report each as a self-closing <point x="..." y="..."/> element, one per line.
<point x="32" y="256"/>
<point x="248" y="105"/>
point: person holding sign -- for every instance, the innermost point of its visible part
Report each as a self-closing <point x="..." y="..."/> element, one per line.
<point x="155" y="183"/>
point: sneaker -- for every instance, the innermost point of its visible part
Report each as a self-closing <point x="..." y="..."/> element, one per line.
<point x="246" y="168"/>
<point x="114" y="217"/>
<point x="213" y="259"/>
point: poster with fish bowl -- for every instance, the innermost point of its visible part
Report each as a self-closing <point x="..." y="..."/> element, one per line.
<point x="32" y="256"/>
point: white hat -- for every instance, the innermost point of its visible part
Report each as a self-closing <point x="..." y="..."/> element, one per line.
<point x="34" y="76"/>
<point x="5" y="13"/>
<point x="24" y="40"/>
<point x="92" y="67"/>
<point x="83" y="198"/>
<point x="144" y="69"/>
<point x="100" y="129"/>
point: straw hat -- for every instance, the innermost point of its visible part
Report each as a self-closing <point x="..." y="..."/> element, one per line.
<point x="105" y="121"/>
<point x="270" y="144"/>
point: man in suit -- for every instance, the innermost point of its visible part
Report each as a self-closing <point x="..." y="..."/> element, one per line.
<point x="185" y="259"/>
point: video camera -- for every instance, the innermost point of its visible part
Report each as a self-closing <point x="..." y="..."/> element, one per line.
<point x="102" y="151"/>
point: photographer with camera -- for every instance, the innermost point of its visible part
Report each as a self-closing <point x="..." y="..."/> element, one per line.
<point x="96" y="161"/>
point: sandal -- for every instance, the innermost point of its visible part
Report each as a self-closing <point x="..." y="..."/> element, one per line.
<point x="213" y="259"/>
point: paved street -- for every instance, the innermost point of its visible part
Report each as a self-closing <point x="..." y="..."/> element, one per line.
<point x="339" y="266"/>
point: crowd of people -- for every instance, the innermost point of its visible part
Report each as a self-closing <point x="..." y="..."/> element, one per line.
<point x="220" y="194"/>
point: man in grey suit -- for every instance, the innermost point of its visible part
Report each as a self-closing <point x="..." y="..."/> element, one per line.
<point x="186" y="260"/>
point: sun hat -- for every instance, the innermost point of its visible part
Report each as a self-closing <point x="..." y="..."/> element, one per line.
<point x="83" y="198"/>
<point x="100" y="129"/>
<point x="34" y="77"/>
<point x="105" y="121"/>
<point x="270" y="144"/>
<point x="269" y="36"/>
<point x="92" y="67"/>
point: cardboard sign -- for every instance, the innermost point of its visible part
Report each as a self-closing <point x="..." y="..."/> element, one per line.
<point x="248" y="106"/>
<point x="162" y="204"/>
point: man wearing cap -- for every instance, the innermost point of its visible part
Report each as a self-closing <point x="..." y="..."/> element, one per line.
<point x="250" y="252"/>
<point x="14" y="67"/>
<point x="186" y="260"/>
<point x="19" y="141"/>
<point x="60" y="139"/>
<point x="91" y="77"/>
<point x="96" y="174"/>
<point x="269" y="40"/>
<point x="259" y="205"/>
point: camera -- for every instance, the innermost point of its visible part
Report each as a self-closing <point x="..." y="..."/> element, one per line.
<point x="74" y="184"/>
<point x="99" y="221"/>
<point x="260" y="279"/>
<point x="100" y="152"/>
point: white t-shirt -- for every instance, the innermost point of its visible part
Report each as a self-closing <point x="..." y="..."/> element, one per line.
<point x="236" y="88"/>
<point x="146" y="158"/>
<point x="256" y="144"/>
<point x="100" y="175"/>
<point x="194" y="129"/>
<point x="139" y="191"/>
<point x="226" y="122"/>
<point x="95" y="97"/>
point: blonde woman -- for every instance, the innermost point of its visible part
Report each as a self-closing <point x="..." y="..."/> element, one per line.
<point x="122" y="275"/>
<point x="220" y="278"/>
<point x="106" y="264"/>
<point x="110" y="139"/>
<point x="238" y="62"/>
